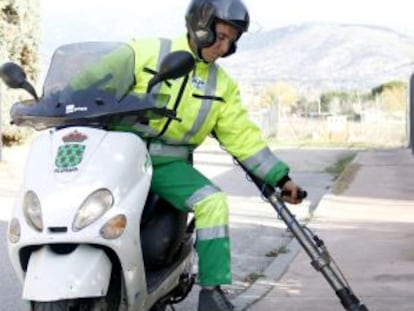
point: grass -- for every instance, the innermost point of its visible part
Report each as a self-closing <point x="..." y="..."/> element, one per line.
<point x="344" y="172"/>
<point x="277" y="251"/>
<point x="345" y="179"/>
<point x="339" y="166"/>
<point x="254" y="276"/>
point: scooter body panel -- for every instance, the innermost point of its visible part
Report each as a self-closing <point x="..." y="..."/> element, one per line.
<point x="116" y="161"/>
<point x="85" y="272"/>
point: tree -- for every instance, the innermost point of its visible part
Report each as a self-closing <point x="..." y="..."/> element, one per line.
<point x="337" y="101"/>
<point x="280" y="93"/>
<point x="19" y="42"/>
<point x="392" y="95"/>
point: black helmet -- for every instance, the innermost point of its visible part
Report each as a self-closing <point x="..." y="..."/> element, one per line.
<point x="202" y="15"/>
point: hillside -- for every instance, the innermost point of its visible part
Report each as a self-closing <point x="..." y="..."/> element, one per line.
<point x="310" y="56"/>
<point x="324" y="56"/>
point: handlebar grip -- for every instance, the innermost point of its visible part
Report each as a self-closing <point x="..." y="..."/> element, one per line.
<point x="301" y="194"/>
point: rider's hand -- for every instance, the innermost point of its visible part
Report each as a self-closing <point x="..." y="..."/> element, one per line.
<point x="292" y="189"/>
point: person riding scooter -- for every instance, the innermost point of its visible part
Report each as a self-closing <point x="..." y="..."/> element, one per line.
<point x="206" y="102"/>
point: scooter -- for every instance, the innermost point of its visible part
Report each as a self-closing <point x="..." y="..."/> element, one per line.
<point x="87" y="237"/>
<point x="86" y="233"/>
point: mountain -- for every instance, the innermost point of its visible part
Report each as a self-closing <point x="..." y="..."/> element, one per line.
<point x="323" y="56"/>
<point x="310" y="56"/>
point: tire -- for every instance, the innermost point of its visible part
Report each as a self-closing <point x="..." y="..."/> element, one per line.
<point x="73" y="305"/>
<point x="158" y="307"/>
<point x="63" y="305"/>
<point x="46" y="306"/>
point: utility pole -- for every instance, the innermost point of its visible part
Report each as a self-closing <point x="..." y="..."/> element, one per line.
<point x="411" y="114"/>
<point x="1" y="133"/>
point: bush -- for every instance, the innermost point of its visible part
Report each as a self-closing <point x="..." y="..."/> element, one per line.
<point x="19" y="43"/>
<point x="13" y="135"/>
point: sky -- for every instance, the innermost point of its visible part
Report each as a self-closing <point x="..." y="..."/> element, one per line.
<point x="166" y="17"/>
<point x="120" y="20"/>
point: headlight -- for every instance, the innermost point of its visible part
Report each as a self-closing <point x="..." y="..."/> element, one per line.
<point x="32" y="210"/>
<point x="95" y="205"/>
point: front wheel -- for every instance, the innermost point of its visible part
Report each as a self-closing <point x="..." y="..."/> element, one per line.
<point x="158" y="307"/>
<point x="74" y="305"/>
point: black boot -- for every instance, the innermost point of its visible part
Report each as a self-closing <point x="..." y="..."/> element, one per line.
<point x="213" y="300"/>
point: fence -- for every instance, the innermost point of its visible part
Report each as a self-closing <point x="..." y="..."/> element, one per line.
<point x="375" y="130"/>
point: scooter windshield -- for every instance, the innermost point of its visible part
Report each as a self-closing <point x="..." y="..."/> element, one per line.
<point x="89" y="83"/>
<point x="90" y="67"/>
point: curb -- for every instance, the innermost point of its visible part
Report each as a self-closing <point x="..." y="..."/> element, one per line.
<point x="272" y="273"/>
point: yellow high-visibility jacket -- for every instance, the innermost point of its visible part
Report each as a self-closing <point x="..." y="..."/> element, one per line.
<point x="207" y="101"/>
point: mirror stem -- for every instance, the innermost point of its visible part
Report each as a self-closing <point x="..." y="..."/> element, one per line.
<point x="152" y="83"/>
<point x="27" y="86"/>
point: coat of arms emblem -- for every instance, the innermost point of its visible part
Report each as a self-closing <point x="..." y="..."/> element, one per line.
<point x="70" y="154"/>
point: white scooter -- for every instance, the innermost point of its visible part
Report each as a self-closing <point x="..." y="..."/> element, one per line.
<point x="85" y="234"/>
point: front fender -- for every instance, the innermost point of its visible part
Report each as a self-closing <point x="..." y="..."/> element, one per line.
<point x="85" y="272"/>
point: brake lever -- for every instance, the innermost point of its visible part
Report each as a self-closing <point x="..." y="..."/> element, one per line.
<point x="170" y="113"/>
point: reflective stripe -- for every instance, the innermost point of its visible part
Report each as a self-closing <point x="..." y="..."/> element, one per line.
<point x="201" y="194"/>
<point x="212" y="233"/>
<point x="210" y="90"/>
<point x="164" y="50"/>
<point x="266" y="166"/>
<point x="168" y="150"/>
<point x="262" y="162"/>
<point x="172" y="141"/>
<point x="165" y="47"/>
<point x="147" y="131"/>
<point x="132" y="121"/>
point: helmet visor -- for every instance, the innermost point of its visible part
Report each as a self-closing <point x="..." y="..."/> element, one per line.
<point x="234" y="13"/>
